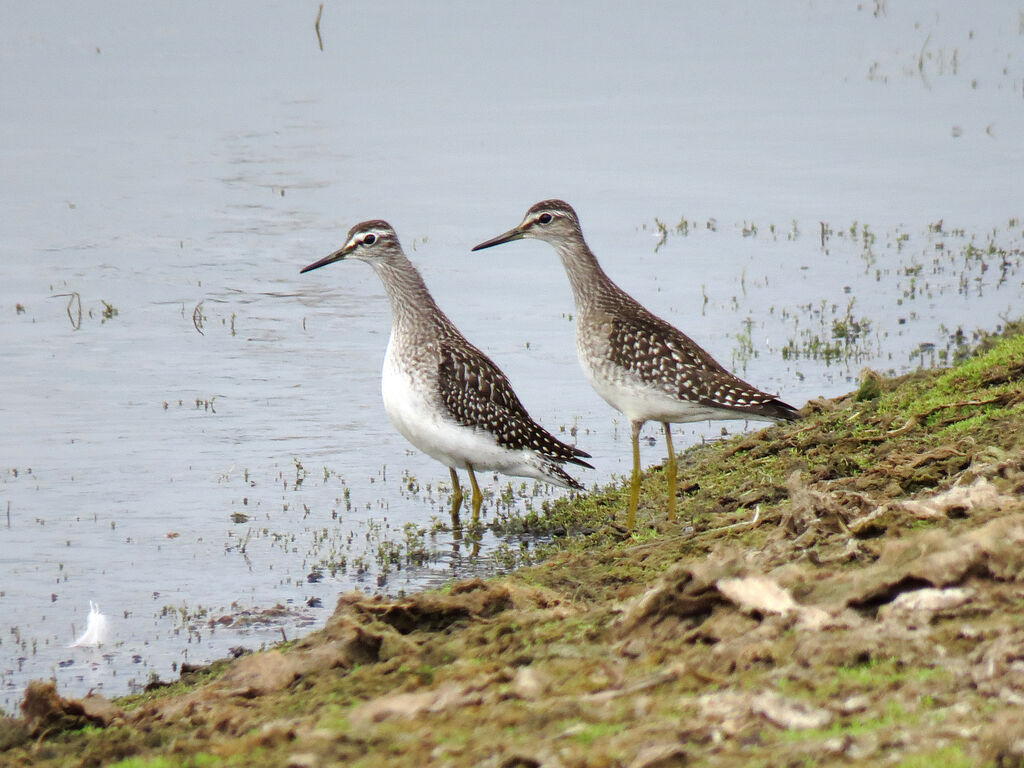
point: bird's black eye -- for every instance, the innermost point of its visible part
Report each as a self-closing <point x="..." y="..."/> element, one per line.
<point x="370" y="239"/>
<point x="544" y="218"/>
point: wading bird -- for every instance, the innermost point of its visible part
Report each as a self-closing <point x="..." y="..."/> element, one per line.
<point x="641" y="365"/>
<point x="444" y="395"/>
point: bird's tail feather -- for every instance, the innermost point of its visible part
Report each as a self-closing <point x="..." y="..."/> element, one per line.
<point x="555" y="475"/>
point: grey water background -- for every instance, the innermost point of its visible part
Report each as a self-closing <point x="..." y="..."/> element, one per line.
<point x="754" y="172"/>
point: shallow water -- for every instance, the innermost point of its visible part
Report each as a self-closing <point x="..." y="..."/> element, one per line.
<point x="182" y="164"/>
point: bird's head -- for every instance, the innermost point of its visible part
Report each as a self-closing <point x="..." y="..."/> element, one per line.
<point x="370" y="241"/>
<point x="553" y="221"/>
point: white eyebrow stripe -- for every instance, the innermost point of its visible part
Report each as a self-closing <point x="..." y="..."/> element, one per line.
<point x="361" y="235"/>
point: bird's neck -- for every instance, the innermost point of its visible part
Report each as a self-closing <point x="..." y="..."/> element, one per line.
<point x="587" y="279"/>
<point x="411" y="303"/>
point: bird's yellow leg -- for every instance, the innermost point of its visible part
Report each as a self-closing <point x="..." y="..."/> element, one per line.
<point x="456" y="504"/>
<point x="478" y="498"/>
<point x="670" y="472"/>
<point x="634" y="486"/>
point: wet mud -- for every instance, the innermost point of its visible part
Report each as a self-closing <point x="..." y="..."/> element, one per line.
<point x="846" y="589"/>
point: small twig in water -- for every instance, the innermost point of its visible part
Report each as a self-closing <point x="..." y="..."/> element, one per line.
<point x="663" y="230"/>
<point x="319" y="13"/>
<point x="73" y="299"/>
<point x="920" y="62"/>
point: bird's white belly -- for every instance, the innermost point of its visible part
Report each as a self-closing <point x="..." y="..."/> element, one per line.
<point x="412" y="408"/>
<point x="640" y="401"/>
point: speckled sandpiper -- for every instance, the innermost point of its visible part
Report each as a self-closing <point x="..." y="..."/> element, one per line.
<point x="640" y="364"/>
<point x="443" y="394"/>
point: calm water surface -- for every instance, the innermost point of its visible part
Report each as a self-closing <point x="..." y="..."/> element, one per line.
<point x="218" y="444"/>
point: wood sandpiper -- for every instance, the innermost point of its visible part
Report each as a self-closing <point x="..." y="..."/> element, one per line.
<point x="640" y="364"/>
<point x="443" y="394"/>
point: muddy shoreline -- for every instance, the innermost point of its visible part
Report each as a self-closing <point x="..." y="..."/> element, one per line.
<point x="843" y="589"/>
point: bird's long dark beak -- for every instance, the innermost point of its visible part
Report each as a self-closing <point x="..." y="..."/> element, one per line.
<point x="508" y="237"/>
<point x="336" y="256"/>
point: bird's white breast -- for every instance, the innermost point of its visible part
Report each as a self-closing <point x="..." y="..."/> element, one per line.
<point x="413" y="407"/>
